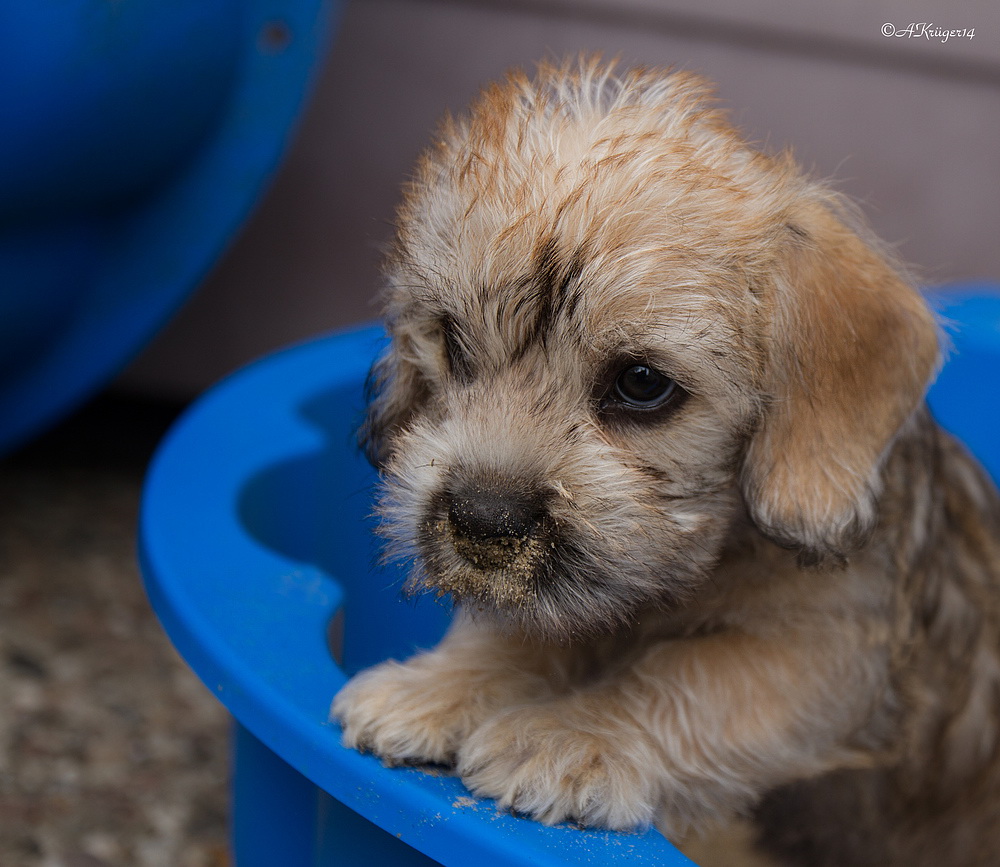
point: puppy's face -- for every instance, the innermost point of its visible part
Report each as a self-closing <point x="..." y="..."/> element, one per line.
<point x="607" y="312"/>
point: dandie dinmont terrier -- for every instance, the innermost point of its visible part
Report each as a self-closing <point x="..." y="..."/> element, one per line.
<point x="652" y="416"/>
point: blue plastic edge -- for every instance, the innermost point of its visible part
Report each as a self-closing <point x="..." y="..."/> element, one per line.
<point x="431" y="813"/>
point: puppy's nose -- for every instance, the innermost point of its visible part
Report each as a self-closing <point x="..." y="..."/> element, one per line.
<point x="481" y="513"/>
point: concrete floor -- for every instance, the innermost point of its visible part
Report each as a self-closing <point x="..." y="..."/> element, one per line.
<point x="111" y="751"/>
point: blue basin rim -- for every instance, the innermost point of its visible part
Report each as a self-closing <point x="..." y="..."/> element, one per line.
<point x="252" y="623"/>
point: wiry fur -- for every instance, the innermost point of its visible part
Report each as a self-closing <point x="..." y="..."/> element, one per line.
<point x="778" y="598"/>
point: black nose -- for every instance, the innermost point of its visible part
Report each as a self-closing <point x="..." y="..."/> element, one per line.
<point x="481" y="512"/>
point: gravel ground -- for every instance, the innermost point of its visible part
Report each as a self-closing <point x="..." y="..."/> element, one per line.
<point x="111" y="751"/>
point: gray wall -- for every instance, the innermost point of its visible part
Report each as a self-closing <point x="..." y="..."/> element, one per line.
<point x="910" y="127"/>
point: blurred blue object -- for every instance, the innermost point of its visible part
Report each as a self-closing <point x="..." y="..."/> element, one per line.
<point x="135" y="138"/>
<point x="259" y="558"/>
<point x="965" y="398"/>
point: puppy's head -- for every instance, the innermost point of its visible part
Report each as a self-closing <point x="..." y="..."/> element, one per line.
<point x="616" y="328"/>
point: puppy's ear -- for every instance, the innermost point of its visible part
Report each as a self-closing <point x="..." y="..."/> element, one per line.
<point x="394" y="389"/>
<point x="851" y="353"/>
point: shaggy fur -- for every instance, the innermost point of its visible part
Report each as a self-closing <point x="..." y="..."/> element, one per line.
<point x="774" y="597"/>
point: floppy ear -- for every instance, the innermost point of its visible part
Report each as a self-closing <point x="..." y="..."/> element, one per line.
<point x="394" y="389"/>
<point x="852" y="350"/>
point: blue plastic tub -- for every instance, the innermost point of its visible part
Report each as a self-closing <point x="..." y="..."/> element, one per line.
<point x="258" y="556"/>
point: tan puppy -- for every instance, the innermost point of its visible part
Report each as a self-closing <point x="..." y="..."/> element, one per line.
<point x="653" y="416"/>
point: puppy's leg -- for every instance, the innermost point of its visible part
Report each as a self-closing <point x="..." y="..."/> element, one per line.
<point x="423" y="709"/>
<point x="698" y="728"/>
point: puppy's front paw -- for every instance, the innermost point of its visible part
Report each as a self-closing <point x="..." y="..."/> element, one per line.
<point x="559" y="761"/>
<point x="422" y="710"/>
<point x="399" y="713"/>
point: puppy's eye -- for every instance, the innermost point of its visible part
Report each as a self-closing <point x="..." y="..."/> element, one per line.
<point x="643" y="387"/>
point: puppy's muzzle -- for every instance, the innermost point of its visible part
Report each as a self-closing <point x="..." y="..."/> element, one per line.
<point x="492" y="523"/>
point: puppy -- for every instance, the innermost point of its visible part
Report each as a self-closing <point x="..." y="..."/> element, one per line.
<point x="652" y="416"/>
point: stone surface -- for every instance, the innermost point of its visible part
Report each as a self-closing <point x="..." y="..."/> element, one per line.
<point x="111" y="751"/>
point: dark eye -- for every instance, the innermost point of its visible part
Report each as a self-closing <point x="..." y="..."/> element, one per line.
<point x="642" y="387"/>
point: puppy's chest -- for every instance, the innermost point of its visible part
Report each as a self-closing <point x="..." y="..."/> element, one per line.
<point x="615" y="655"/>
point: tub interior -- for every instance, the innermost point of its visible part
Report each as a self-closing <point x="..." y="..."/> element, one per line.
<point x="317" y="508"/>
